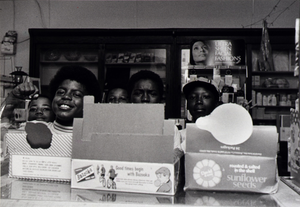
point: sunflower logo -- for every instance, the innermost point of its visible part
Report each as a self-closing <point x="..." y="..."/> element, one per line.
<point x="207" y="173"/>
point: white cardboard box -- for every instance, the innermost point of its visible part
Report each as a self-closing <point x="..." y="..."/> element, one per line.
<point x="249" y="166"/>
<point x="52" y="164"/>
<point x="133" y="140"/>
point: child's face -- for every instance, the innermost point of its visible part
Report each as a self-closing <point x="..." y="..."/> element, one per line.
<point x="117" y="95"/>
<point x="201" y="102"/>
<point x="40" y="110"/>
<point x="145" y="91"/>
<point x="68" y="102"/>
<point x="163" y="178"/>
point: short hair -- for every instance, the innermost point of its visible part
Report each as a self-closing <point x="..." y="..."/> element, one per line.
<point x="163" y="170"/>
<point x="39" y="96"/>
<point x="146" y="75"/>
<point x="192" y="61"/>
<point x="115" y="86"/>
<point x="81" y="75"/>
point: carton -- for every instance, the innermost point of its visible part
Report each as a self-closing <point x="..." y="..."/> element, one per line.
<point x="294" y="148"/>
<point x="51" y="164"/>
<point x="248" y="166"/>
<point x="124" y="147"/>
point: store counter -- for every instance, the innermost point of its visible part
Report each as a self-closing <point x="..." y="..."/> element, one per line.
<point x="17" y="193"/>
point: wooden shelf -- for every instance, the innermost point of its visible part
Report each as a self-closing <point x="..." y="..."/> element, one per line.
<point x="272" y="72"/>
<point x="274" y="89"/>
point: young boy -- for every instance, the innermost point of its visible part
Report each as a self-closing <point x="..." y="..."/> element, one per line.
<point x="145" y="86"/>
<point x="117" y="95"/>
<point x="202" y="97"/>
<point x="67" y="89"/>
<point x="40" y="109"/>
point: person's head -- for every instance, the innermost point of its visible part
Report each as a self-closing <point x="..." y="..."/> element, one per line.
<point x="145" y="86"/>
<point x="163" y="174"/>
<point x="198" y="52"/>
<point x="67" y="88"/>
<point x="202" y="98"/>
<point x="117" y="94"/>
<point x="40" y="109"/>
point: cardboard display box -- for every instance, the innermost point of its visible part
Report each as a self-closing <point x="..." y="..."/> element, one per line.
<point x="249" y="166"/>
<point x="124" y="147"/>
<point x="53" y="163"/>
<point x="294" y="148"/>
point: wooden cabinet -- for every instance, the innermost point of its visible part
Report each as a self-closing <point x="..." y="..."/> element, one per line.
<point x="112" y="55"/>
<point x="107" y="53"/>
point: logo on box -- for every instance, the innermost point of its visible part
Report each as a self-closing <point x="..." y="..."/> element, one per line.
<point x="207" y="173"/>
<point x="84" y="173"/>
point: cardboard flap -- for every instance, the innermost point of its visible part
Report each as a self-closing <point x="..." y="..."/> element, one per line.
<point x="125" y="147"/>
<point x="262" y="142"/>
<point x="123" y="118"/>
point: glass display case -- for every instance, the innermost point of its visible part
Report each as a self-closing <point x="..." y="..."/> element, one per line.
<point x="225" y="64"/>
<point x="112" y="55"/>
<point x="122" y="61"/>
<point x="52" y="58"/>
<point x="115" y="54"/>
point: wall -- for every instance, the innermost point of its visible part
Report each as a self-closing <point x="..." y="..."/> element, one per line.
<point x="20" y="15"/>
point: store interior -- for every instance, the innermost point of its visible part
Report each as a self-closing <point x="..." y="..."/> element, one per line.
<point x="108" y="37"/>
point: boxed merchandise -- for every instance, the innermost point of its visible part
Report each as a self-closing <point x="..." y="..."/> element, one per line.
<point x="124" y="147"/>
<point x="225" y="153"/>
<point x="37" y="154"/>
<point x="294" y="148"/>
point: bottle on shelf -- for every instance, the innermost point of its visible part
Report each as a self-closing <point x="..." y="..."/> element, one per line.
<point x="265" y="100"/>
<point x="288" y="101"/>
<point x="274" y="100"/>
<point x="259" y="99"/>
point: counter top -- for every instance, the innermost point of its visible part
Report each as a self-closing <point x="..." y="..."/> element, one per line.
<point x="19" y="193"/>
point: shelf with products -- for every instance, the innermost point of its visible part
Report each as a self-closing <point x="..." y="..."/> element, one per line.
<point x="274" y="92"/>
<point x="123" y="60"/>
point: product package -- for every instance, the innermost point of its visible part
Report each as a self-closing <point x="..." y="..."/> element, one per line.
<point x="294" y="148"/>
<point x="219" y="157"/>
<point x="37" y="154"/>
<point x="124" y="147"/>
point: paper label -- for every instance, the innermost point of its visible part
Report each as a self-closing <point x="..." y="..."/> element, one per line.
<point x="123" y="176"/>
<point x="223" y="172"/>
<point x="40" y="167"/>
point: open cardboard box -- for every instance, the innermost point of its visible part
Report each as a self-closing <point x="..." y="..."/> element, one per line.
<point x="249" y="166"/>
<point x="131" y="143"/>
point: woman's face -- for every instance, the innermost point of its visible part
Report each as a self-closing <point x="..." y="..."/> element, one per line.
<point x="68" y="102"/>
<point x="201" y="102"/>
<point x="145" y="91"/>
<point x="40" y="110"/>
<point x="200" y="52"/>
<point x="117" y="95"/>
